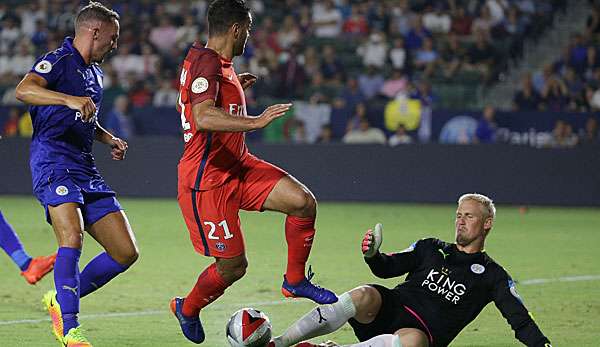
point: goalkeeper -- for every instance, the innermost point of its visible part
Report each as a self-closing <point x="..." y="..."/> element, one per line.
<point x="447" y="286"/>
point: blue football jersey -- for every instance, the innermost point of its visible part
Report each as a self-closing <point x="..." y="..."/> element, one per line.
<point x="61" y="140"/>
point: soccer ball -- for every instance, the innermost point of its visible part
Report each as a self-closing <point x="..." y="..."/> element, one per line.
<point x="248" y="328"/>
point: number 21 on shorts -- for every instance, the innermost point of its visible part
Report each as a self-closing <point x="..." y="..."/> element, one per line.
<point x="213" y="228"/>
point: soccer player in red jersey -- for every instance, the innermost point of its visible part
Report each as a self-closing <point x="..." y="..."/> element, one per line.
<point x="218" y="176"/>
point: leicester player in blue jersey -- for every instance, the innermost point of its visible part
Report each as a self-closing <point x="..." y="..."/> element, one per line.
<point x="64" y="89"/>
<point x="32" y="269"/>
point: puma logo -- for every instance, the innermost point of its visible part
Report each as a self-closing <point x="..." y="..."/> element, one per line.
<point x="72" y="289"/>
<point x="443" y="254"/>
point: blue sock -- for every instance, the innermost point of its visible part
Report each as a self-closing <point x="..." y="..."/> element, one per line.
<point x="66" y="281"/>
<point x="9" y="241"/>
<point x="98" y="272"/>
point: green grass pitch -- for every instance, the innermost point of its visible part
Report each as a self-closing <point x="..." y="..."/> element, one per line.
<point x="132" y="310"/>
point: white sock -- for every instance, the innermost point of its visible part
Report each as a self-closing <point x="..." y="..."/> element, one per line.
<point x="387" y="340"/>
<point x="319" y="321"/>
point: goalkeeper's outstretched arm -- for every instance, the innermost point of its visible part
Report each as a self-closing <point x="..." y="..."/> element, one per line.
<point x="385" y="265"/>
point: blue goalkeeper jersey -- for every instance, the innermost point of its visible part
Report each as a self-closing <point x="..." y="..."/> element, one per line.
<point x="61" y="140"/>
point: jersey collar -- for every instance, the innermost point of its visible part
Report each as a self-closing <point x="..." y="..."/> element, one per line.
<point x="68" y="44"/>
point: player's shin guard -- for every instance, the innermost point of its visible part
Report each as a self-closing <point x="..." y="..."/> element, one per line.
<point x="209" y="286"/>
<point x="387" y="340"/>
<point x="66" y="280"/>
<point x="98" y="272"/>
<point x="9" y="241"/>
<point x="299" y="234"/>
<point x="321" y="320"/>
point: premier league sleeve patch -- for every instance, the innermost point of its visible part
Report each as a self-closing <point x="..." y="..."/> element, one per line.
<point x="43" y="66"/>
<point x="200" y="85"/>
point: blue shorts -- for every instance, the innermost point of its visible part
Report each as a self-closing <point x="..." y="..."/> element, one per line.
<point x="95" y="198"/>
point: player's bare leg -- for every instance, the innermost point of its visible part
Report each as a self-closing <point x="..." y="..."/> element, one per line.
<point x="293" y="198"/>
<point x="63" y="305"/>
<point x="410" y="337"/>
<point x="114" y="234"/>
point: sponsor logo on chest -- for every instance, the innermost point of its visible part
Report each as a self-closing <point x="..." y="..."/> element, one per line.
<point x="439" y="282"/>
<point x="237" y="110"/>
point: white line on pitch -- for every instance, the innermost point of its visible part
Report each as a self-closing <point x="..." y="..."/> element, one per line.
<point x="220" y="307"/>
<point x="217" y="307"/>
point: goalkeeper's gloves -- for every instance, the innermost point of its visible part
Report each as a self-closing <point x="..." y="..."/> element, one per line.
<point x="372" y="241"/>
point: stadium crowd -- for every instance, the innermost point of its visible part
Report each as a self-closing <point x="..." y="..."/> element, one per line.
<point x="359" y="71"/>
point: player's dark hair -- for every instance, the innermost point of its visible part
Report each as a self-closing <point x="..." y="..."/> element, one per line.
<point x="95" y="11"/>
<point x="222" y="14"/>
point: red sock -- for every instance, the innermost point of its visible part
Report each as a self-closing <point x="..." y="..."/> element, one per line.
<point x="208" y="288"/>
<point x="299" y="233"/>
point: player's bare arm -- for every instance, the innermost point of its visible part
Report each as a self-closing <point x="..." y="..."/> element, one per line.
<point x="247" y="79"/>
<point x="32" y="90"/>
<point x="208" y="117"/>
<point x="118" y="146"/>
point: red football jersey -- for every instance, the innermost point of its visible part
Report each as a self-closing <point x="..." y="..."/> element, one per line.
<point x="209" y="158"/>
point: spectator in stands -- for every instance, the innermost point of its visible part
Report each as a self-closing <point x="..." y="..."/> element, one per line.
<point x="514" y="27"/>
<point x="25" y="125"/>
<point x="486" y="128"/>
<point x="39" y="38"/>
<point x="166" y="95"/>
<point x="378" y="17"/>
<point x="164" y="36"/>
<point x="11" y="125"/>
<point x="426" y="58"/>
<point x="23" y="60"/>
<point x="453" y="56"/>
<point x="578" y="53"/>
<point x="482" y="25"/>
<point x="149" y="61"/>
<point x="526" y="98"/>
<point x="314" y="115"/>
<point x="497" y="10"/>
<point x="555" y="95"/>
<point x="400" y="137"/>
<point x="326" y="135"/>
<point x="291" y="76"/>
<point x="374" y="50"/>
<point x="417" y="34"/>
<point x="562" y="135"/>
<point x="118" y="121"/>
<point x="461" y="22"/>
<point x="356" y="26"/>
<point x="398" y="54"/>
<point x="327" y="19"/>
<point x="592" y="62"/>
<point x="140" y="94"/>
<point x="591" y="133"/>
<point x="186" y="34"/>
<point x="397" y="83"/>
<point x="370" y="82"/>
<point x="365" y="134"/>
<point x="351" y="94"/>
<point x="9" y="35"/>
<point x="593" y="22"/>
<point x="436" y="20"/>
<point x="541" y="78"/>
<point x="358" y="114"/>
<point x="125" y="62"/>
<point x="481" y="57"/>
<point x="331" y="66"/>
<point x="289" y="34"/>
<point x="305" y="20"/>
<point x="311" y="61"/>
<point x="401" y="17"/>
